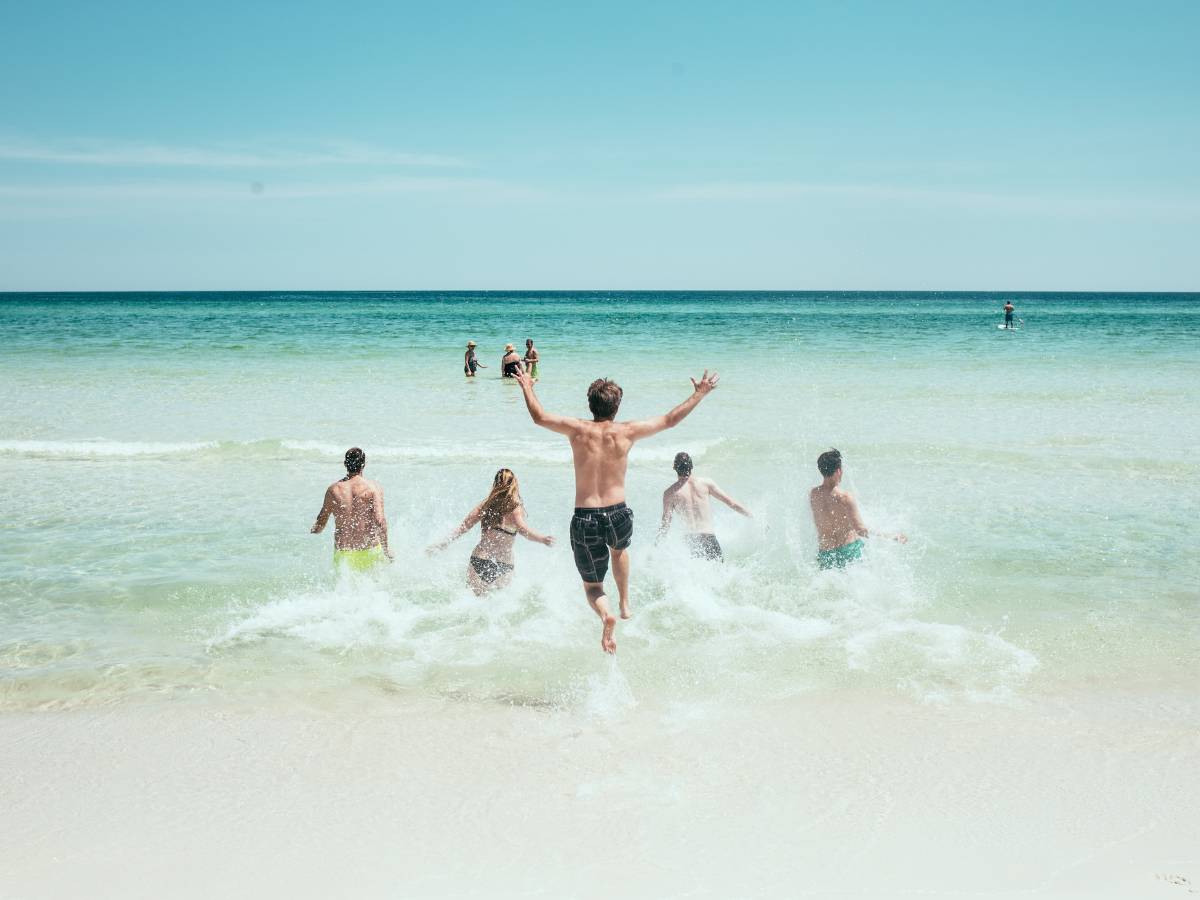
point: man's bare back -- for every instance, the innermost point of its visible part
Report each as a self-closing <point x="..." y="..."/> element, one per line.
<point x="601" y="454"/>
<point x="357" y="507"/>
<point x="836" y="517"/>
<point x="689" y="499"/>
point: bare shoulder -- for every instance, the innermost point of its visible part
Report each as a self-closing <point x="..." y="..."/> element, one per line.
<point x="843" y="496"/>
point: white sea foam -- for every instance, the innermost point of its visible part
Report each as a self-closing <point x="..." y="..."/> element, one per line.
<point x="101" y="448"/>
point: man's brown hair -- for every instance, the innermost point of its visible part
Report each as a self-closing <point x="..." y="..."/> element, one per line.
<point x="355" y="460"/>
<point x="604" y="398"/>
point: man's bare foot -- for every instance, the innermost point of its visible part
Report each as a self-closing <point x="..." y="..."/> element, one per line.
<point x="625" y="613"/>
<point x="606" y="637"/>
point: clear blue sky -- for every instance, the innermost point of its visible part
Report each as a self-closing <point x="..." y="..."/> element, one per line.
<point x="851" y="145"/>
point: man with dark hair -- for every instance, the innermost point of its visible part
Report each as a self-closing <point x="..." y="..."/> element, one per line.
<point x="360" y="535"/>
<point x="840" y="528"/>
<point x="603" y="525"/>
<point x="689" y="497"/>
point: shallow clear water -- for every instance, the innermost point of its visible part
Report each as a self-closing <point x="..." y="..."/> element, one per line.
<point x="166" y="453"/>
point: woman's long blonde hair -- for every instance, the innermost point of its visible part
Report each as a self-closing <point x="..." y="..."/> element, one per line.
<point x="504" y="498"/>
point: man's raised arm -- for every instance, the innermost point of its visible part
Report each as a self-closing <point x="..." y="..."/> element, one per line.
<point x="700" y="389"/>
<point x="561" y="424"/>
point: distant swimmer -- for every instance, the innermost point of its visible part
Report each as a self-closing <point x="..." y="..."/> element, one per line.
<point x="840" y="528"/>
<point x="470" y="362"/>
<point x="531" y="359"/>
<point x="510" y="363"/>
<point x="689" y="496"/>
<point x="1009" y="309"/>
<point x="360" y="536"/>
<point x="501" y="517"/>
<point x="603" y="524"/>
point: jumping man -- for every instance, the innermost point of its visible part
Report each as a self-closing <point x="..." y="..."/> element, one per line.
<point x="603" y="524"/>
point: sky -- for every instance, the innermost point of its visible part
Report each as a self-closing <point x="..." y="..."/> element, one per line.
<point x="654" y="145"/>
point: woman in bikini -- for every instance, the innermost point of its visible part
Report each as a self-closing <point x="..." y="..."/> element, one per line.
<point x="501" y="518"/>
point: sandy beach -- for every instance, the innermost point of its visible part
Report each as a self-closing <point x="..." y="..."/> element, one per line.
<point x="1085" y="795"/>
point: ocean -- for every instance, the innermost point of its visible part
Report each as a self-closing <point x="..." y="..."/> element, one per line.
<point x="165" y="455"/>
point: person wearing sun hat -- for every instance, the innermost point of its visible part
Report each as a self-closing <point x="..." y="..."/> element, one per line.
<point x="470" y="363"/>
<point x="510" y="363"/>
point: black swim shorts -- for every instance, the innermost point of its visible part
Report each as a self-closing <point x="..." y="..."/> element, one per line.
<point x="593" y="531"/>
<point x="705" y="546"/>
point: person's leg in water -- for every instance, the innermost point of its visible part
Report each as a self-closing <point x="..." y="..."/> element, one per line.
<point x="620" y="568"/>
<point x="599" y="602"/>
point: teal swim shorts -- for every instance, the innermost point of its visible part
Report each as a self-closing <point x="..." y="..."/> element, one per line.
<point x="840" y="557"/>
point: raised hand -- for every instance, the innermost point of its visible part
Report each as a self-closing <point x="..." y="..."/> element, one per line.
<point x="522" y="377"/>
<point x="706" y="383"/>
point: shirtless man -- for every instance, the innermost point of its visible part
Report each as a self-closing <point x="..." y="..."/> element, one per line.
<point x="689" y="497"/>
<point x="1009" y="309"/>
<point x="360" y="536"/>
<point x="840" y="528"/>
<point x="531" y="359"/>
<point x="602" y="523"/>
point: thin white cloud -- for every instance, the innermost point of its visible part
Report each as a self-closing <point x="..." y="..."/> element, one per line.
<point x="111" y="153"/>
<point x="1041" y="203"/>
<point x="266" y="190"/>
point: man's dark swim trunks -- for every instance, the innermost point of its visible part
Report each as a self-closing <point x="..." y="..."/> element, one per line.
<point x="704" y="546"/>
<point x="593" y="531"/>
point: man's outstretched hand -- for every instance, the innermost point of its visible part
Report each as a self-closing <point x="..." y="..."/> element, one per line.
<point x="706" y="383"/>
<point x="523" y="378"/>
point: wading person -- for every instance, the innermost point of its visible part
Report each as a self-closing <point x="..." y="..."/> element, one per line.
<point x="510" y="362"/>
<point x="360" y="534"/>
<point x="840" y="528"/>
<point x="602" y="527"/>
<point x="501" y="517"/>
<point x="531" y="359"/>
<point x="689" y="497"/>
<point x="470" y="362"/>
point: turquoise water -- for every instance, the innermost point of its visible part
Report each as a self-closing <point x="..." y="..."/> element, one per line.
<point x="166" y="453"/>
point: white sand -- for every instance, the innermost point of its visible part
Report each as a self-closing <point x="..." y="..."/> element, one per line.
<point x="836" y="796"/>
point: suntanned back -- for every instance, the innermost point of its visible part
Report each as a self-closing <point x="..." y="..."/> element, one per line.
<point x="356" y="513"/>
<point x="601" y="451"/>
<point x="835" y="515"/>
<point x="690" y="499"/>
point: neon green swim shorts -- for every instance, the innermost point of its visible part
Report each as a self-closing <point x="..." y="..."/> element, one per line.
<point x="359" y="560"/>
<point x="840" y="557"/>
